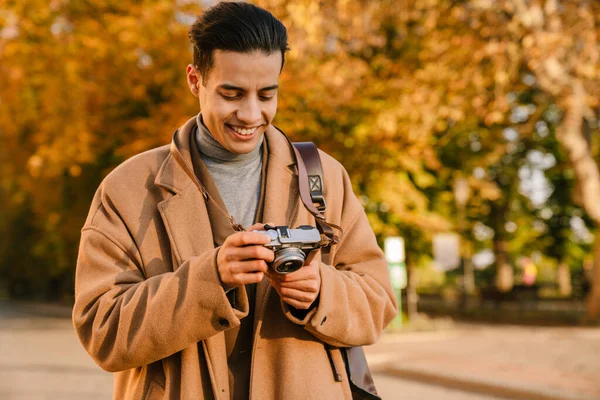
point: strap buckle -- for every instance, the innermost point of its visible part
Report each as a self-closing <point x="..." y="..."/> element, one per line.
<point x="319" y="201"/>
<point x="315" y="187"/>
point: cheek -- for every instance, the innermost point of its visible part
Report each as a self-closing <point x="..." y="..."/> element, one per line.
<point x="218" y="108"/>
<point x="271" y="109"/>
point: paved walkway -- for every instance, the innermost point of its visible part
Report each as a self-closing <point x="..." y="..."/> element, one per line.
<point x="42" y="359"/>
<point x="392" y="388"/>
<point x="509" y="361"/>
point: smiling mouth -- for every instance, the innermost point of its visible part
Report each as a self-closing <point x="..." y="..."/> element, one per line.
<point x="243" y="131"/>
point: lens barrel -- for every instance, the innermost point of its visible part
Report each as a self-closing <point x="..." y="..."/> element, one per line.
<point x="288" y="260"/>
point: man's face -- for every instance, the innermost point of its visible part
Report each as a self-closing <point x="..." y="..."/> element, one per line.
<point x="238" y="99"/>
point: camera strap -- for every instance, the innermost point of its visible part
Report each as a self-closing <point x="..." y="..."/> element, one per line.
<point x="311" y="185"/>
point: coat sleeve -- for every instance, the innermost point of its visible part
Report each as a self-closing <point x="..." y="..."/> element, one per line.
<point x="125" y="319"/>
<point x="356" y="299"/>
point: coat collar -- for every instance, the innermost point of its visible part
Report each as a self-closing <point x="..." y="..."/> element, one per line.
<point x="177" y="172"/>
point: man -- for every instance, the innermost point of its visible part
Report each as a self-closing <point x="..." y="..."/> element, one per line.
<point x="179" y="301"/>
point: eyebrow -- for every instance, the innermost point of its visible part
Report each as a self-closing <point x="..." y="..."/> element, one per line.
<point x="227" y="86"/>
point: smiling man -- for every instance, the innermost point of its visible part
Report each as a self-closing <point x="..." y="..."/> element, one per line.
<point x="174" y="289"/>
<point x="238" y="97"/>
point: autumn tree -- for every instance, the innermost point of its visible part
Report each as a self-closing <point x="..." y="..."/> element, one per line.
<point x="83" y="85"/>
<point x="409" y="95"/>
<point x="558" y="42"/>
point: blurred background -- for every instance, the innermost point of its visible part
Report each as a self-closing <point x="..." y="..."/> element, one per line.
<point x="469" y="129"/>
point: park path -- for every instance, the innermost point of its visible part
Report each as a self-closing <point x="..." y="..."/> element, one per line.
<point x="515" y="362"/>
<point x="42" y="359"/>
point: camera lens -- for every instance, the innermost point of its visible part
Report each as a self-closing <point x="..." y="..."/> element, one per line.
<point x="289" y="266"/>
<point x="288" y="260"/>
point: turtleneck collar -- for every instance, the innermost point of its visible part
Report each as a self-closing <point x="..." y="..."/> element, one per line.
<point x="209" y="147"/>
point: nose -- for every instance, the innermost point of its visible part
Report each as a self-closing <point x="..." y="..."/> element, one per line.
<point x="249" y="112"/>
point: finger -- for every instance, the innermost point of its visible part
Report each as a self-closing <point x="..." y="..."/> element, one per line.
<point x="253" y="252"/>
<point x="240" y="239"/>
<point x="297" y="295"/>
<point x="234" y="279"/>
<point x="297" y="276"/>
<point x="308" y="286"/>
<point x="307" y="272"/>
<point x="247" y="279"/>
<point x="248" y="267"/>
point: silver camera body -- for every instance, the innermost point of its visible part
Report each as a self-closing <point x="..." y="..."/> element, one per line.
<point x="291" y="246"/>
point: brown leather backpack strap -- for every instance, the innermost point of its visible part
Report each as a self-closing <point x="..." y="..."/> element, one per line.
<point x="303" y="185"/>
<point x="310" y="181"/>
<point x="312" y="161"/>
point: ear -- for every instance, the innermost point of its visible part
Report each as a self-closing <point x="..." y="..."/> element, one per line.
<point x="194" y="79"/>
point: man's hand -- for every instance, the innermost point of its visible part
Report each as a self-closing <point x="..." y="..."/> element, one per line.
<point x="243" y="259"/>
<point x="301" y="288"/>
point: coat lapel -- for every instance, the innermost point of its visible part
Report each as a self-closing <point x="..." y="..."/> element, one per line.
<point x="186" y="220"/>
<point x="184" y="213"/>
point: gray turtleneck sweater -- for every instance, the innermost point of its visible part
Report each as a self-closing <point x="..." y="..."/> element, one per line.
<point x="237" y="176"/>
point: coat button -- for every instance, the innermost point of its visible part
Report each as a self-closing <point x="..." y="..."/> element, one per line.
<point x="223" y="322"/>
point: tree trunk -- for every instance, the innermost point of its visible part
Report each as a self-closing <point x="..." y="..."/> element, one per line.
<point x="503" y="281"/>
<point x="565" y="288"/>
<point x="504" y="272"/>
<point x="572" y="138"/>
<point x="411" y="290"/>
<point x="593" y="300"/>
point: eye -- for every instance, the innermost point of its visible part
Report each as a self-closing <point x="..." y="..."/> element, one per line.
<point x="266" y="97"/>
<point x="229" y="96"/>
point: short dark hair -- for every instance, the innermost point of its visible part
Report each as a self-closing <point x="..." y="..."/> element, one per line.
<point x="235" y="26"/>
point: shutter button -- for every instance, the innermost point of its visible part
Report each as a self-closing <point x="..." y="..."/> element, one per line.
<point x="223" y="322"/>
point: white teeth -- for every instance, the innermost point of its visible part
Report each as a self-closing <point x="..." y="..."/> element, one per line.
<point x="244" y="132"/>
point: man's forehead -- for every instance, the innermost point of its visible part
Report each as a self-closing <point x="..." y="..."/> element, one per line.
<point x="245" y="69"/>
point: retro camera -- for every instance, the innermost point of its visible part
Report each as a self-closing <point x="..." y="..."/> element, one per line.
<point x="291" y="246"/>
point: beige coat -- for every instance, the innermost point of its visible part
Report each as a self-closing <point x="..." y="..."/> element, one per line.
<point x="149" y="303"/>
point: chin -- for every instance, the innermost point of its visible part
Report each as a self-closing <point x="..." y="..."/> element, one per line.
<point x="240" y="148"/>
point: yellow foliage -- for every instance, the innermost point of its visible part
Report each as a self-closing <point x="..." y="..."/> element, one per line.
<point x="382" y="85"/>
